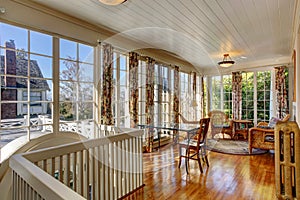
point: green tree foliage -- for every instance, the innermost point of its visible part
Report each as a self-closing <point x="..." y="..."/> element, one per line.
<point x="248" y="95"/>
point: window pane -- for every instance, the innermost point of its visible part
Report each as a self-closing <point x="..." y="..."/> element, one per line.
<point x="123" y="62"/>
<point x="260" y="95"/>
<point x="85" y="92"/>
<point x="67" y="91"/>
<point x="67" y="111"/>
<point x="86" y="53"/>
<point x="41" y="67"/>
<point x="68" y="49"/>
<point x="260" y="105"/>
<point x="86" y="72"/>
<point x="40" y="43"/>
<point x="16" y="34"/>
<point x="85" y="111"/>
<point x="68" y="70"/>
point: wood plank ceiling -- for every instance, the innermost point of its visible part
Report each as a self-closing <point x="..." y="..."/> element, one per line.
<point x="254" y="32"/>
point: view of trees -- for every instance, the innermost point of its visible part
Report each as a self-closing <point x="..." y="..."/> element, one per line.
<point x="222" y="88"/>
<point x="74" y="92"/>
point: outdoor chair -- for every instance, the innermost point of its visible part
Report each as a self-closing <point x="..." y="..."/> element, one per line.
<point x="195" y="145"/>
<point x="220" y="124"/>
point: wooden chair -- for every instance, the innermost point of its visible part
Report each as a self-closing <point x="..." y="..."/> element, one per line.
<point x="262" y="136"/>
<point x="195" y="145"/>
<point x="220" y="123"/>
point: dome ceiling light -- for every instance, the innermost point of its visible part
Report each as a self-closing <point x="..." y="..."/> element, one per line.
<point x="112" y="2"/>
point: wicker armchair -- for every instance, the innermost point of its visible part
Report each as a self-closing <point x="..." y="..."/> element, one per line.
<point x="262" y="136"/>
<point x="220" y="124"/>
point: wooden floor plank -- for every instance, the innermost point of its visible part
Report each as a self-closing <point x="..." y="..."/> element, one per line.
<point x="228" y="177"/>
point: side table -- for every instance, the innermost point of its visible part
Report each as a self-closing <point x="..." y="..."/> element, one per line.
<point x="241" y="127"/>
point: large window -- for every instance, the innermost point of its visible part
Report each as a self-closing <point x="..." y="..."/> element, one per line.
<point x="227" y="95"/>
<point x="216" y="85"/>
<point x="76" y="81"/>
<point x="248" y="95"/>
<point x="185" y="94"/>
<point x="221" y="93"/>
<point x="165" y="99"/>
<point x="121" y="99"/>
<point x="26" y="82"/>
<point x="142" y="92"/>
<point x="257" y="95"/>
<point x="264" y="96"/>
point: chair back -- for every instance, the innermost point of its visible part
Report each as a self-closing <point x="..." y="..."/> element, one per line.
<point x="217" y="117"/>
<point x="203" y="129"/>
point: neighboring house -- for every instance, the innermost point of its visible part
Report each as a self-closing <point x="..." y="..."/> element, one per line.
<point x="15" y="88"/>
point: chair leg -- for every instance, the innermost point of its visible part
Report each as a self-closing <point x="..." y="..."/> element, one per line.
<point x="199" y="163"/>
<point x="204" y="156"/>
<point x="179" y="157"/>
<point x="187" y="155"/>
<point x="206" y="160"/>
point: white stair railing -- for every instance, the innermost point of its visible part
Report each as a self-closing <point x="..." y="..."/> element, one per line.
<point x="104" y="168"/>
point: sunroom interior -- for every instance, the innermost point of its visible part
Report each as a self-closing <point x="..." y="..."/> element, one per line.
<point x="98" y="70"/>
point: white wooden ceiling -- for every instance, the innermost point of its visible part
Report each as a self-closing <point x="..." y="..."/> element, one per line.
<point x="254" y="32"/>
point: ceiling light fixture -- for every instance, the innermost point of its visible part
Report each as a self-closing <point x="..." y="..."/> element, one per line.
<point x="112" y="2"/>
<point x="227" y="62"/>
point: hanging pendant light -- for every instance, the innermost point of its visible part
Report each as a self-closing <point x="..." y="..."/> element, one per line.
<point x="112" y="2"/>
<point x="227" y="62"/>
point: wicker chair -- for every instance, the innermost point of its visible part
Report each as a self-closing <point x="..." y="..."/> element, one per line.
<point x="219" y="123"/>
<point x="262" y="136"/>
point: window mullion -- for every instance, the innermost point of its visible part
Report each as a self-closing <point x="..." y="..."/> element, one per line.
<point x="55" y="68"/>
<point x="255" y="97"/>
<point x="118" y="88"/>
<point x="28" y="88"/>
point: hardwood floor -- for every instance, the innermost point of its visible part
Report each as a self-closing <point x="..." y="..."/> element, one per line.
<point x="228" y="177"/>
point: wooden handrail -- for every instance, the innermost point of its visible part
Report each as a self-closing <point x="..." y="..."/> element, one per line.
<point x="105" y="168"/>
<point x="60" y="150"/>
<point x="42" y="183"/>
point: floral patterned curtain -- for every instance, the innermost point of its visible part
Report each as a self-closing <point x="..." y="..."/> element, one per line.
<point x="176" y="98"/>
<point x="194" y="86"/>
<point x="107" y="85"/>
<point x="149" y="102"/>
<point x="202" y="97"/>
<point x="281" y="92"/>
<point x="134" y="90"/>
<point x="236" y="95"/>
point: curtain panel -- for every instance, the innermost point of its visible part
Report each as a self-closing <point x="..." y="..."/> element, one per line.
<point x="281" y="92"/>
<point x="236" y="95"/>
<point x="176" y="98"/>
<point x="202" y="97"/>
<point x="107" y="85"/>
<point x="133" y="88"/>
<point x="149" y="110"/>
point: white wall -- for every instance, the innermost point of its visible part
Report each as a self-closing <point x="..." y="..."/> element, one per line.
<point x="297" y="48"/>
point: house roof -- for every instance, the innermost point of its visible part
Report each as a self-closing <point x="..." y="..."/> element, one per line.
<point x="21" y="70"/>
